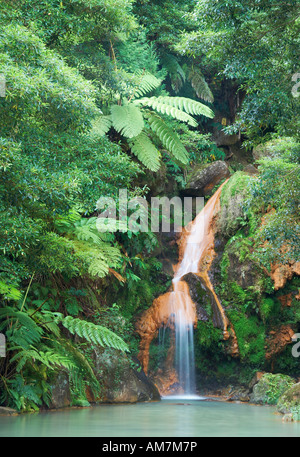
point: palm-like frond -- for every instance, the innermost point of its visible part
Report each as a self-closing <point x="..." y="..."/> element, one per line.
<point x="200" y="86"/>
<point x="20" y="328"/>
<point x="147" y="83"/>
<point x="145" y="151"/>
<point x="163" y="107"/>
<point x="176" y="72"/>
<point x="101" y="126"/>
<point x="127" y="120"/>
<point x="168" y="138"/>
<point x="95" y="334"/>
<point x="187" y="105"/>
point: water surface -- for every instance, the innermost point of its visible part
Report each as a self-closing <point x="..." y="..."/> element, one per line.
<point x="168" y="418"/>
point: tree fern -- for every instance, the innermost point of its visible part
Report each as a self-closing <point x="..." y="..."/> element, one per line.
<point x="50" y="358"/>
<point x="20" y="328"/>
<point x="200" y="86"/>
<point x="146" y="83"/>
<point x="168" y="138"/>
<point x="127" y="120"/>
<point x="145" y="151"/>
<point x="160" y="105"/>
<point x="101" y="126"/>
<point x="175" y="71"/>
<point x="95" y="334"/>
<point x="183" y="104"/>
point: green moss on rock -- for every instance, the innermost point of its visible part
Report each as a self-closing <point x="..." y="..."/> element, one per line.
<point x="270" y="388"/>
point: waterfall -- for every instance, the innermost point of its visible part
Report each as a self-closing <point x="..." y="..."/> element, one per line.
<point x="176" y="310"/>
<point x="181" y="306"/>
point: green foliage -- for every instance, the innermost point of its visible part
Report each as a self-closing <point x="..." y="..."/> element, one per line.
<point x="37" y="349"/>
<point x="255" y="45"/>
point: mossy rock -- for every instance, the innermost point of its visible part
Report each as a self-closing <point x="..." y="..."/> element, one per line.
<point x="270" y="388"/>
<point x="203" y="178"/>
<point x="289" y="399"/>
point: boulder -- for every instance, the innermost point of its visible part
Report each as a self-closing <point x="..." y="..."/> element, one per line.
<point x="240" y="394"/>
<point x="122" y="379"/>
<point x="204" y="178"/>
<point x="289" y="399"/>
<point x="8" y="411"/>
<point x="61" y="393"/>
<point x="251" y="170"/>
<point x="270" y="388"/>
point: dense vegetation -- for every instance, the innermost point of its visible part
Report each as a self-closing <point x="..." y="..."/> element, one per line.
<point x="104" y="95"/>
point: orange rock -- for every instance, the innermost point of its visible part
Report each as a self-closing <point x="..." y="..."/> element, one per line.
<point x="278" y="340"/>
<point x="286" y="300"/>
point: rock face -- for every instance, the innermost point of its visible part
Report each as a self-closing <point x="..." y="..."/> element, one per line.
<point x="121" y="382"/>
<point x="283" y="273"/>
<point x="290" y="399"/>
<point x="204" y="178"/>
<point x="270" y="388"/>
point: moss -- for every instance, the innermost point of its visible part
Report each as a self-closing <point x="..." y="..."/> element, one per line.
<point x="250" y="333"/>
<point x="270" y="388"/>
<point x="268" y="308"/>
<point x="207" y="335"/>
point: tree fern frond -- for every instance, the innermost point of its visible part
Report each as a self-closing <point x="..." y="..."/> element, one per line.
<point x="145" y="151"/>
<point x="176" y="72"/>
<point x="168" y="138"/>
<point x="159" y="105"/>
<point x="147" y="83"/>
<point x="101" y="126"/>
<point x="94" y="333"/>
<point x="200" y="86"/>
<point x="191" y="107"/>
<point x="50" y="358"/>
<point x="127" y="120"/>
<point x="20" y="328"/>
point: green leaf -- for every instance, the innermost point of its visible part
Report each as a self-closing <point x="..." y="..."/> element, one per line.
<point x="127" y="120"/>
<point x="168" y="138"/>
<point x="145" y="151"/>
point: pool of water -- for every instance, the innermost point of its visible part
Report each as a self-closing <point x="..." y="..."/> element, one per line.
<point x="173" y="417"/>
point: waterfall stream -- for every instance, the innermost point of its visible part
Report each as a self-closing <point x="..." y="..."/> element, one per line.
<point x="181" y="307"/>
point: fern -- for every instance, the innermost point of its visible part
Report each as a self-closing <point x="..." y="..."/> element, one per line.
<point x="162" y="107"/>
<point x="101" y="126"/>
<point x="21" y="329"/>
<point x="168" y="138"/>
<point x="147" y="83"/>
<point x="94" y="333"/>
<point x="183" y="104"/>
<point x="200" y="86"/>
<point x="176" y="72"/>
<point x="127" y="120"/>
<point x="51" y="359"/>
<point x="145" y="151"/>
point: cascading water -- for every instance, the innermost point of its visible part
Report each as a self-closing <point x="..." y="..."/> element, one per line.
<point x="176" y="310"/>
<point x="181" y="306"/>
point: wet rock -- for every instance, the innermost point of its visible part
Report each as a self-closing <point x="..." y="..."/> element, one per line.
<point x="8" y="411"/>
<point x="240" y="394"/>
<point x="278" y="339"/>
<point x="270" y="388"/>
<point x="122" y="379"/>
<point x="256" y="378"/>
<point x="290" y="399"/>
<point x="202" y="295"/>
<point x="61" y="394"/>
<point x="204" y="178"/>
